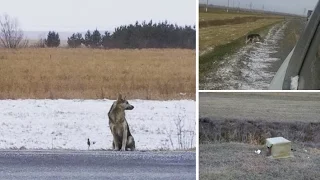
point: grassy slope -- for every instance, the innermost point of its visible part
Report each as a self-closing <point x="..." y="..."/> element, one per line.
<point x="218" y="35"/>
<point x="93" y="73"/>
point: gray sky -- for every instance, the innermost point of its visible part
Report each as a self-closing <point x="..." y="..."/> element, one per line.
<point x="81" y="15"/>
<point x="288" y="6"/>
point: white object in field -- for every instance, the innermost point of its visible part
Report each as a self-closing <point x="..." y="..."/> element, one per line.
<point x="258" y="151"/>
<point x="280" y="147"/>
<point x="294" y="83"/>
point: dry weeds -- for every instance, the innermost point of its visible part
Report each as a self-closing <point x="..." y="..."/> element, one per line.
<point x="95" y="74"/>
<point x="256" y="132"/>
<point x="252" y="117"/>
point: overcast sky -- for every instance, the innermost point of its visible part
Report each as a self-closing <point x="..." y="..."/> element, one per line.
<point x="288" y="6"/>
<point x="81" y="15"/>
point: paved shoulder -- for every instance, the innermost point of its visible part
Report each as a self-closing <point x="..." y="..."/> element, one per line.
<point x="97" y="165"/>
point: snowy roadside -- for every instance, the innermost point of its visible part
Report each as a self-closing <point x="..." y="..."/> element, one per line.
<point x="66" y="124"/>
<point x="249" y="68"/>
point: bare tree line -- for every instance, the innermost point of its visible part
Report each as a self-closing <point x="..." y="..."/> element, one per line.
<point x="11" y="36"/>
<point x="138" y="35"/>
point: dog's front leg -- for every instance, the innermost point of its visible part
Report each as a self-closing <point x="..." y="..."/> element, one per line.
<point x="124" y="137"/>
<point x="115" y="143"/>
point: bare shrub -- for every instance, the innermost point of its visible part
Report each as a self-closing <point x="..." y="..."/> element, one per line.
<point x="185" y="137"/>
<point x="40" y="43"/>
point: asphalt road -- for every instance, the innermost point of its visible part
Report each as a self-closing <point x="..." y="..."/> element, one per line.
<point x="92" y="165"/>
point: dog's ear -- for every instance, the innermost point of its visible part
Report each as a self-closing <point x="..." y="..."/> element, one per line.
<point x="119" y="97"/>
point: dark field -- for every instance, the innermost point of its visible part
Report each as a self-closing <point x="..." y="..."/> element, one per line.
<point x="281" y="107"/>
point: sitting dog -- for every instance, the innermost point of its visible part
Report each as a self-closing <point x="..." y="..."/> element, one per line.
<point x="122" y="138"/>
<point x="253" y="38"/>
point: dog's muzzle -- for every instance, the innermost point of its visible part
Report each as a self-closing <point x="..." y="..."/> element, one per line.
<point x="129" y="107"/>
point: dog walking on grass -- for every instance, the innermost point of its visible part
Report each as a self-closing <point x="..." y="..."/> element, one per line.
<point x="253" y="38"/>
<point x="122" y="138"/>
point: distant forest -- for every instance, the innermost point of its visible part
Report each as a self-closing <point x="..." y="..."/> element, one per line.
<point x="144" y="35"/>
<point x="138" y="35"/>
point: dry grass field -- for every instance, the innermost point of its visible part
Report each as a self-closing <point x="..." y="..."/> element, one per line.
<point x="213" y="36"/>
<point x="236" y="25"/>
<point x="203" y="16"/>
<point x="93" y="73"/>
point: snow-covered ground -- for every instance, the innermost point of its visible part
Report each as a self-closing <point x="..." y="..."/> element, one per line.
<point x="66" y="124"/>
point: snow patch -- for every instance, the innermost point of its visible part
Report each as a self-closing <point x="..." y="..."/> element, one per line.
<point x="294" y="83"/>
<point x="66" y="124"/>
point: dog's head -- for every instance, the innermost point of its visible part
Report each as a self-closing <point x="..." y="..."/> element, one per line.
<point x="123" y="103"/>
